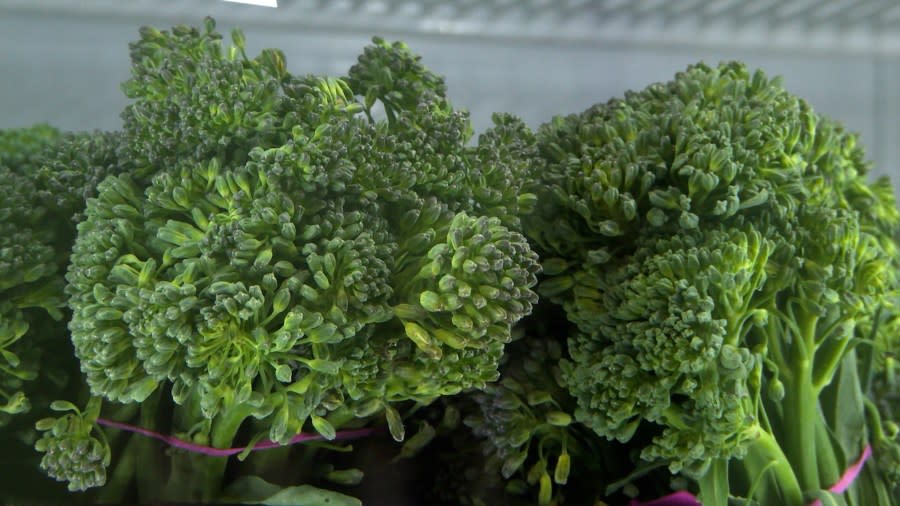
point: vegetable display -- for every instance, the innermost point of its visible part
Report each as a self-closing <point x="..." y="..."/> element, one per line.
<point x="275" y="288"/>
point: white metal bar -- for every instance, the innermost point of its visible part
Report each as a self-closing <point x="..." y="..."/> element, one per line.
<point x="259" y="3"/>
<point x="847" y="26"/>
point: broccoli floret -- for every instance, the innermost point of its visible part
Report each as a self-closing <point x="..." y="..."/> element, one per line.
<point x="283" y="255"/>
<point x="73" y="450"/>
<point x="22" y="149"/>
<point x="45" y="177"/>
<point x="192" y="98"/>
<point x="525" y="420"/>
<point x="718" y="247"/>
<point x="30" y="282"/>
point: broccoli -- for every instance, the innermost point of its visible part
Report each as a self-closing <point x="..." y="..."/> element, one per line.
<point x="722" y="255"/>
<point x="521" y="418"/>
<point x="270" y="258"/>
<point x="259" y="258"/>
<point x="45" y="176"/>
<point x="30" y="282"/>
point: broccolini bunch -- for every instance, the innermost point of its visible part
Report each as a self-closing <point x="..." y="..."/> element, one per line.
<point x="275" y="259"/>
<point x="723" y="256"/>
<point x="260" y="257"/>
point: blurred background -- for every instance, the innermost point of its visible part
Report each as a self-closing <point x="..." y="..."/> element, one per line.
<point x="61" y="60"/>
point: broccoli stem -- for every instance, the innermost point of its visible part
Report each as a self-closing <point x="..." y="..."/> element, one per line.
<point x="116" y="489"/>
<point x="829" y="356"/>
<point x="829" y="470"/>
<point x="714" y="484"/>
<point x="800" y="405"/>
<point x="224" y="430"/>
<point x="149" y="473"/>
<point x="770" y="471"/>
<point x="801" y="417"/>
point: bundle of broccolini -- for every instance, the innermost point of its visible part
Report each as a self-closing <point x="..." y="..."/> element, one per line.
<point x="260" y="259"/>
<point x="732" y="276"/>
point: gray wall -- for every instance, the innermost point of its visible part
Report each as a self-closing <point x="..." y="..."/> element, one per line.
<point x="66" y="71"/>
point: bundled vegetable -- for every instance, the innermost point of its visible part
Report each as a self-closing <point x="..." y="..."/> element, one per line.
<point x="30" y="282"/>
<point x="727" y="265"/>
<point x="259" y="259"/>
<point x="274" y="259"/>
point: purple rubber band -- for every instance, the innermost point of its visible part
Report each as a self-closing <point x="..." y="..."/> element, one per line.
<point x="225" y="452"/>
<point x="683" y="498"/>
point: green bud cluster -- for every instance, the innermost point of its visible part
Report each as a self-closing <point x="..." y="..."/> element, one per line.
<point x="71" y="452"/>
<point x="30" y="284"/>
<point x="525" y="421"/>
<point x="710" y="237"/>
<point x="45" y="177"/>
<point x="278" y="253"/>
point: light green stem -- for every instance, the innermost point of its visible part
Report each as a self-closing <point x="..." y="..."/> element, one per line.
<point x="224" y="430"/>
<point x="766" y="465"/>
<point x="116" y="488"/>
<point x="800" y="406"/>
<point x="801" y="416"/>
<point x="149" y="473"/>
<point x="829" y="469"/>
<point x="714" y="484"/>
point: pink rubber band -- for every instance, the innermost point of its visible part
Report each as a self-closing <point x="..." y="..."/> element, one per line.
<point x="849" y="475"/>
<point x="683" y="498"/>
<point x="225" y="452"/>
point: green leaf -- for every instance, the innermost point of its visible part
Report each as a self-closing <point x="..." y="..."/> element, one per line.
<point x="64" y="406"/>
<point x="395" y="423"/>
<point x="45" y="424"/>
<point x="513" y="464"/>
<point x="367" y="408"/>
<point x="307" y="495"/>
<point x="554" y="266"/>
<point x="345" y="476"/>
<point x="237" y="36"/>
<point x="545" y="494"/>
<point x="559" y="419"/>
<point x="561" y="472"/>
<point x="419" y="440"/>
<point x="11" y="358"/>
<point x="279" y="429"/>
<point x="538" y="397"/>
<point x="323" y="366"/>
<point x="847" y="411"/>
<point x="255" y="490"/>
<point x="281" y="300"/>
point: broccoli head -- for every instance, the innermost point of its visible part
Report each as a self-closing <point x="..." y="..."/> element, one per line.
<point x="718" y="247"/>
<point x="291" y="258"/>
<point x="30" y="281"/>
<point x="46" y="177"/>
